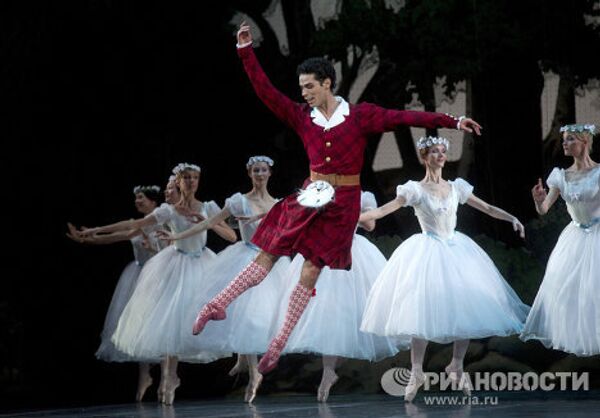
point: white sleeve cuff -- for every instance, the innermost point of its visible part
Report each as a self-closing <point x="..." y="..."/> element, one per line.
<point x="459" y="121"/>
<point x="240" y="46"/>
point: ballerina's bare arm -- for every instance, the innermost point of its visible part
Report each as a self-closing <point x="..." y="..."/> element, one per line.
<point x="128" y="225"/>
<point x="250" y="219"/>
<point x="543" y="201"/>
<point x="103" y="239"/>
<point x="367" y="225"/>
<point x="496" y="212"/>
<point x="216" y="223"/>
<point x="381" y="211"/>
<point x="225" y="231"/>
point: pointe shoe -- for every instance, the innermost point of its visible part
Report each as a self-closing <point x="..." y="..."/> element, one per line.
<point x="253" y="385"/>
<point x="210" y="312"/>
<point x="269" y="361"/>
<point x="327" y="381"/>
<point x="170" y="388"/>
<point x="143" y="385"/>
<point x="456" y="376"/>
<point x="160" y="393"/>
<point x="414" y="383"/>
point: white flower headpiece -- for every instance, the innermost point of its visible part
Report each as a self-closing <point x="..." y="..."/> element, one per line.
<point x="578" y="128"/>
<point x="426" y="142"/>
<point x="145" y="189"/>
<point x="259" y="159"/>
<point x="185" y="166"/>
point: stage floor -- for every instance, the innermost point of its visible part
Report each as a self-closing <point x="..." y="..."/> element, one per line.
<point x="516" y="404"/>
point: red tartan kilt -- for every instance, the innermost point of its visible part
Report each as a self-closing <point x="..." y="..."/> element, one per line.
<point x="323" y="236"/>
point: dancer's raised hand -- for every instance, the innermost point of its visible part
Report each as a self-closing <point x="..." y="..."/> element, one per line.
<point x="244" y="35"/>
<point x="538" y="192"/>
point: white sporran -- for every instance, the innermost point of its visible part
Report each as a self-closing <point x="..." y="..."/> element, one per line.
<point x="316" y="195"/>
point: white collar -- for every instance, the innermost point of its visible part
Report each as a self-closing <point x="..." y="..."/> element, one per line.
<point x="339" y="115"/>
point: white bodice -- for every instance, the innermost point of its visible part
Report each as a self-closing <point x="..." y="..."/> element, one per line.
<point x="194" y="244"/>
<point x="141" y="253"/>
<point x="436" y="216"/>
<point x="580" y="190"/>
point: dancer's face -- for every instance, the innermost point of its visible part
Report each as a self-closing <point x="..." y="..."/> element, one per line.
<point x="259" y="173"/>
<point x="436" y="156"/>
<point x="313" y="91"/>
<point x="189" y="181"/>
<point x="143" y="204"/>
<point x="172" y="195"/>
<point x="574" y="145"/>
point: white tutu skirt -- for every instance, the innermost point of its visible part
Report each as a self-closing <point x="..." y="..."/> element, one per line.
<point x="442" y="291"/>
<point x="249" y="325"/>
<point x="566" y="312"/>
<point x="330" y="324"/>
<point x="158" y="319"/>
<point x="125" y="287"/>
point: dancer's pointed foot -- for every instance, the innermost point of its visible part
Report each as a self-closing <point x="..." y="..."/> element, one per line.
<point x="211" y="311"/>
<point x="160" y="393"/>
<point x="417" y="379"/>
<point x="240" y="366"/>
<point x="253" y="385"/>
<point x="327" y="381"/>
<point x="144" y="382"/>
<point x="269" y="361"/>
<point x="169" y="394"/>
<point x="458" y="380"/>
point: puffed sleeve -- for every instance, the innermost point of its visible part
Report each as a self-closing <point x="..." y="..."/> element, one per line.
<point x="367" y="201"/>
<point x="464" y="189"/>
<point x="410" y="191"/>
<point x="163" y="213"/>
<point x="554" y="179"/>
<point x="211" y="208"/>
<point x="235" y="205"/>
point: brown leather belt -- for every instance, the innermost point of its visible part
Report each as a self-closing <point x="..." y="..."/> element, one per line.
<point x="337" y="179"/>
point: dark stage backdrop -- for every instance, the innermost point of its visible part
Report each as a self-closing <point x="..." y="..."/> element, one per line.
<point x="100" y="96"/>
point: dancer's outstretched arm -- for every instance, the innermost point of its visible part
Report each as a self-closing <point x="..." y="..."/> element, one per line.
<point x="380" y="212"/>
<point x="128" y="225"/>
<point x="216" y="223"/>
<point x="225" y="231"/>
<point x="496" y="212"/>
<point x="104" y="239"/>
<point x="282" y="106"/>
<point x="543" y="201"/>
<point x="367" y="225"/>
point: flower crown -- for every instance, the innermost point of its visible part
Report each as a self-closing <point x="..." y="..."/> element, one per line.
<point x="578" y="128"/>
<point x="259" y="159"/>
<point x="185" y="166"/>
<point x="426" y="142"/>
<point x="145" y="189"/>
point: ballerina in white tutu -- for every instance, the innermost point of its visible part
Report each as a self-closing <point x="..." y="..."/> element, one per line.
<point x="439" y="285"/>
<point x="566" y="312"/>
<point x="145" y="245"/>
<point x="333" y="330"/>
<point x="247" y="330"/>
<point x="155" y="322"/>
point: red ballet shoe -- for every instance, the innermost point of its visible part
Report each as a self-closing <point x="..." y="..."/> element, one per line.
<point x="211" y="311"/>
